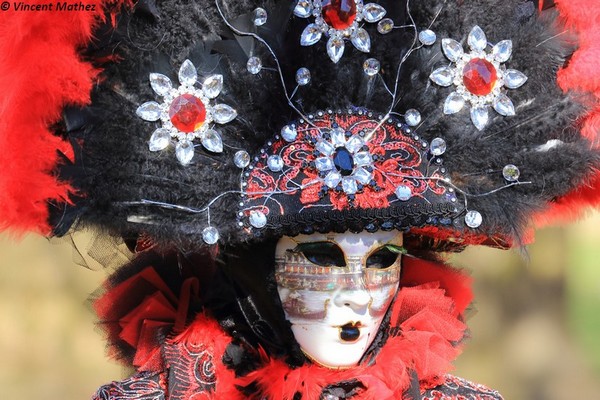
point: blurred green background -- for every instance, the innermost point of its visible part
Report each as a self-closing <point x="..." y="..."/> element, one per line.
<point x="535" y="334"/>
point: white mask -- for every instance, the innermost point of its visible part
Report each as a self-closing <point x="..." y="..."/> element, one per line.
<point x="335" y="290"/>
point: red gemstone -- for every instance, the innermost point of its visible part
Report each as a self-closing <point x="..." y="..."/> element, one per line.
<point x="187" y="113"/>
<point x="480" y="76"/>
<point x="339" y="14"/>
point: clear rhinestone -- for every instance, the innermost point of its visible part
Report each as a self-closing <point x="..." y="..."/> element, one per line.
<point x="303" y="9"/>
<point x="184" y="151"/>
<point x="476" y="39"/>
<point x="443" y="76"/>
<point x="373" y="12"/>
<point x="361" y="40"/>
<point x="259" y="16"/>
<point x="338" y="137"/>
<point x="452" y="49"/>
<point x="480" y="116"/>
<point x="303" y="76"/>
<point x="503" y="105"/>
<point x="335" y="48"/>
<point x="310" y="35"/>
<point x="188" y="74"/>
<point x="403" y="192"/>
<point x="275" y="163"/>
<point x="427" y="37"/>
<point x="211" y="140"/>
<point x="454" y="103"/>
<point x="258" y="219"/>
<point x="160" y="83"/>
<point x="371" y="66"/>
<point x="412" y="117"/>
<point x="210" y="235"/>
<point x="514" y="79"/>
<point x="362" y="159"/>
<point x="241" y="159"/>
<point x="325" y="148"/>
<point x="222" y="113"/>
<point x="473" y="219"/>
<point x="511" y="173"/>
<point x="254" y="65"/>
<point x="438" y="146"/>
<point x="354" y="144"/>
<point x="159" y="140"/>
<point x="289" y="133"/>
<point x="349" y="185"/>
<point x="333" y="179"/>
<point x="212" y="86"/>
<point x="502" y="51"/>
<point x="385" y="26"/>
<point x="324" y="164"/>
<point x="363" y="176"/>
<point x="149" y="111"/>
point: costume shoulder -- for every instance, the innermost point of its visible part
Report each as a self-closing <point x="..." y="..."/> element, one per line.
<point x="458" y="388"/>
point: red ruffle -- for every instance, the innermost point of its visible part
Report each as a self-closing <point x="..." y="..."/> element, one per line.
<point x="41" y="72"/>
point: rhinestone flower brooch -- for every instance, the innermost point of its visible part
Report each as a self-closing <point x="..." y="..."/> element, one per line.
<point x="186" y="113"/>
<point x="479" y="77"/>
<point x="339" y="20"/>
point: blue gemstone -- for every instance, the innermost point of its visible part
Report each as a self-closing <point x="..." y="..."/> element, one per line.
<point x="343" y="161"/>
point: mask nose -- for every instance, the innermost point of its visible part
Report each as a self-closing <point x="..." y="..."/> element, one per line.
<point x="357" y="299"/>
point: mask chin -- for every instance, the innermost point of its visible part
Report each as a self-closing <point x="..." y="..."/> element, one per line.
<point x="336" y="311"/>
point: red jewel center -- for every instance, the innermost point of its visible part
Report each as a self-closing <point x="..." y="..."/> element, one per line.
<point x="480" y="76"/>
<point x="187" y="113"/>
<point x="339" y="14"/>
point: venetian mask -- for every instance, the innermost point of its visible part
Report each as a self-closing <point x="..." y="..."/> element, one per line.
<point x="335" y="290"/>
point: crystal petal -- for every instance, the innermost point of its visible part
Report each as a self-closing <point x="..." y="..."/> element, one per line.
<point x="333" y="179"/>
<point x="480" y="116"/>
<point x="452" y="49"/>
<point x="303" y="9"/>
<point x="241" y="159"/>
<point x="502" y="51"/>
<point x="443" y="76"/>
<point x="338" y="137"/>
<point x="222" y="113"/>
<point x="427" y="37"/>
<point x="349" y="185"/>
<point x="412" y="117"/>
<point x="335" y="48"/>
<point x="514" y="79"/>
<point x="259" y="16"/>
<point x="454" y="103"/>
<point x="289" y="133"/>
<point x="254" y="65"/>
<point x="361" y="40"/>
<point x="473" y="219"/>
<point x="325" y="148"/>
<point x="303" y="76"/>
<point x="211" y="140"/>
<point x="210" y="235"/>
<point x="160" y="83"/>
<point x="385" y="26"/>
<point x="258" y="219"/>
<point x="354" y="144"/>
<point x="324" y="164"/>
<point x="476" y="39"/>
<point x="363" y="176"/>
<point x="184" y="151"/>
<point x="373" y="12"/>
<point x="503" y="105"/>
<point x="403" y="193"/>
<point x="188" y="74"/>
<point x="275" y="163"/>
<point x="362" y="159"/>
<point x="159" y="140"/>
<point x="310" y="35"/>
<point x="212" y="86"/>
<point x="149" y="111"/>
<point x="371" y="66"/>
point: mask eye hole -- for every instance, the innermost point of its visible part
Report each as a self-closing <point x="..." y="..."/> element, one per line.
<point x="385" y="256"/>
<point x="324" y="254"/>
